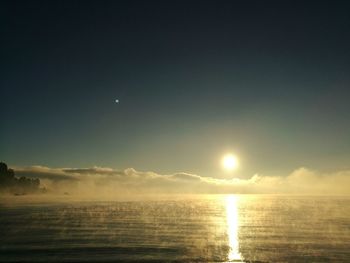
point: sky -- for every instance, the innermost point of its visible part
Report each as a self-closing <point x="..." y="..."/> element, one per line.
<point x="266" y="80"/>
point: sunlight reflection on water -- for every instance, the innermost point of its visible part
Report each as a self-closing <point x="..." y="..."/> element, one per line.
<point x="232" y="229"/>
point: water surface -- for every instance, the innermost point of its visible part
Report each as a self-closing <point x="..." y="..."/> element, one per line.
<point x="232" y="228"/>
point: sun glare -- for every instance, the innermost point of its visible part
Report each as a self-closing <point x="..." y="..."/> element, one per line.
<point x="232" y="229"/>
<point x="230" y="162"/>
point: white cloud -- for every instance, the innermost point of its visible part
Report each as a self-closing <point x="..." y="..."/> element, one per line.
<point x="100" y="181"/>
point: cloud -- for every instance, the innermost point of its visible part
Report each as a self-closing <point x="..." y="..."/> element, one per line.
<point x="185" y="176"/>
<point x="93" y="170"/>
<point x="106" y="181"/>
<point x="43" y="172"/>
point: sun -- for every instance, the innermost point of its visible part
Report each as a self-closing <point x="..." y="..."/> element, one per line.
<point x="229" y="162"/>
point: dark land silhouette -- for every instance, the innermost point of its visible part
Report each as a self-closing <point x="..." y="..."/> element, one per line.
<point x="17" y="185"/>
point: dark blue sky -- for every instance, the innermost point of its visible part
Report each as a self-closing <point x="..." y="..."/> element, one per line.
<point x="268" y="80"/>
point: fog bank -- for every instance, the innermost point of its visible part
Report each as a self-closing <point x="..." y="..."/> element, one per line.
<point x="97" y="182"/>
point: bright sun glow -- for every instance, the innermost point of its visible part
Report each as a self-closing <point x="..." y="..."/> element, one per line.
<point x="230" y="162"/>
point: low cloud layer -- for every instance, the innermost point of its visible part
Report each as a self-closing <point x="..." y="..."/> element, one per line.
<point x="99" y="181"/>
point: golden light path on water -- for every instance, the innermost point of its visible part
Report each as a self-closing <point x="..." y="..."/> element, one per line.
<point x="232" y="229"/>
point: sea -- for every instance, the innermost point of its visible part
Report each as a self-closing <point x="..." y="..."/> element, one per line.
<point x="200" y="228"/>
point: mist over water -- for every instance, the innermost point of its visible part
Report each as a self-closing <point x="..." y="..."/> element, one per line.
<point x="101" y="183"/>
<point x="198" y="228"/>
